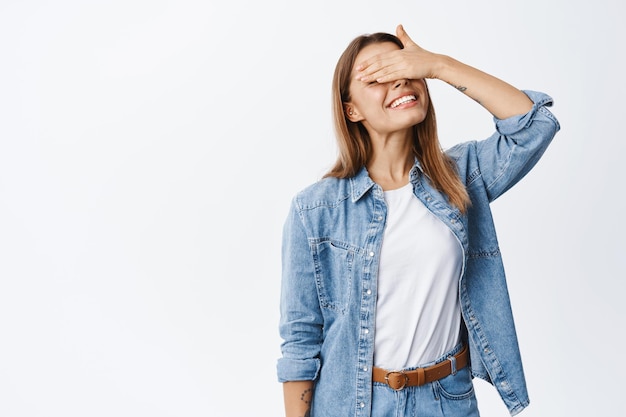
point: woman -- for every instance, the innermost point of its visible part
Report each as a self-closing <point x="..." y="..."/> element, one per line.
<point x="393" y="290"/>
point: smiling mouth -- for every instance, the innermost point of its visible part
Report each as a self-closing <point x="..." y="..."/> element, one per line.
<point x="402" y="100"/>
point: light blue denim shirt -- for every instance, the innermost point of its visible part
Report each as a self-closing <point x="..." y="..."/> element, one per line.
<point x="331" y="246"/>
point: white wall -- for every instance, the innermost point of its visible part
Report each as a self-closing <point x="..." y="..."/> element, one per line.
<point x="148" y="154"/>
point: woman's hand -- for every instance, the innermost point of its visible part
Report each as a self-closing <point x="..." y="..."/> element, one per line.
<point x="412" y="62"/>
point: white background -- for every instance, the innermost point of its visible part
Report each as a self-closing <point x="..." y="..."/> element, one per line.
<point x="149" y="151"/>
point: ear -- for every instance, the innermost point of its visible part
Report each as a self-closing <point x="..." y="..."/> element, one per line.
<point x="352" y="113"/>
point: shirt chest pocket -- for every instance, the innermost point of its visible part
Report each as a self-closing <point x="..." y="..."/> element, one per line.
<point x="334" y="261"/>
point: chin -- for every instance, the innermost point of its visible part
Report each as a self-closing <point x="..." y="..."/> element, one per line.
<point x="418" y="118"/>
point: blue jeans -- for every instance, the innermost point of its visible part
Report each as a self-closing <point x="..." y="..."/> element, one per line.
<point x="452" y="396"/>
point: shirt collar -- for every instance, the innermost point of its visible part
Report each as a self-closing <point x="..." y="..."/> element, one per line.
<point x="416" y="171"/>
<point x="361" y="183"/>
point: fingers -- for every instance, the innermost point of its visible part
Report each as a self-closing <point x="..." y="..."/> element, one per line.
<point x="386" y="76"/>
<point x="390" y="66"/>
<point x="378" y="68"/>
<point x="403" y="36"/>
<point x="368" y="67"/>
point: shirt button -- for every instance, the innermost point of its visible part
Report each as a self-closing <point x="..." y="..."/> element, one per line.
<point x="362" y="405"/>
<point x="371" y="254"/>
<point x="380" y="218"/>
<point x="365" y="369"/>
<point x="366" y="331"/>
<point x="368" y="292"/>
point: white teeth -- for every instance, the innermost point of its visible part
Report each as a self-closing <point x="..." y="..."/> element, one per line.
<point x="402" y="100"/>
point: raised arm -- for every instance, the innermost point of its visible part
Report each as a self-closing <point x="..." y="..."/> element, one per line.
<point x="413" y="62"/>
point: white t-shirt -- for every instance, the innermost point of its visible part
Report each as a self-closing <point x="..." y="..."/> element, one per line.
<point x="418" y="315"/>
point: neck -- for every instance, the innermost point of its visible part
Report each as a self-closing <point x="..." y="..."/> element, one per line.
<point x="391" y="161"/>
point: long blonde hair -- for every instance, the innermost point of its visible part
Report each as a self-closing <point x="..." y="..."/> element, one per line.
<point x="354" y="141"/>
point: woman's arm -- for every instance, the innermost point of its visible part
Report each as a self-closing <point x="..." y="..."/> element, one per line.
<point x="298" y="395"/>
<point x="413" y="62"/>
<point x="301" y="319"/>
<point x="501" y="99"/>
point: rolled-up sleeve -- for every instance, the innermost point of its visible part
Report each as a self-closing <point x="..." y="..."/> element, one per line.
<point x="516" y="146"/>
<point x="301" y="321"/>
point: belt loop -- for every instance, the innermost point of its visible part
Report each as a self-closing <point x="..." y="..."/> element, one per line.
<point x="452" y="360"/>
<point x="421" y="376"/>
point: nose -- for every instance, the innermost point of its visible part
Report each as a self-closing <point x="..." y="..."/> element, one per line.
<point x="400" y="83"/>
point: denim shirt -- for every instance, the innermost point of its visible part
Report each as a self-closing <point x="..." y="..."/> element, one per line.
<point x="331" y="248"/>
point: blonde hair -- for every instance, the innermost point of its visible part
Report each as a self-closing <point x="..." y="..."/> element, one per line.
<point x="354" y="141"/>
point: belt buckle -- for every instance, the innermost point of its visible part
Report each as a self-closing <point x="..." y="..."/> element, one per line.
<point x="401" y="387"/>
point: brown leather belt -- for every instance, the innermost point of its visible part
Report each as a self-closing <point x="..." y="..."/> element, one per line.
<point x="397" y="380"/>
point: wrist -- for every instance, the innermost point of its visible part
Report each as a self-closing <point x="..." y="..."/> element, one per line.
<point x="444" y="68"/>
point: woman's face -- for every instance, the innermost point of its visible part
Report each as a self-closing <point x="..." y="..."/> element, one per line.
<point x="389" y="107"/>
